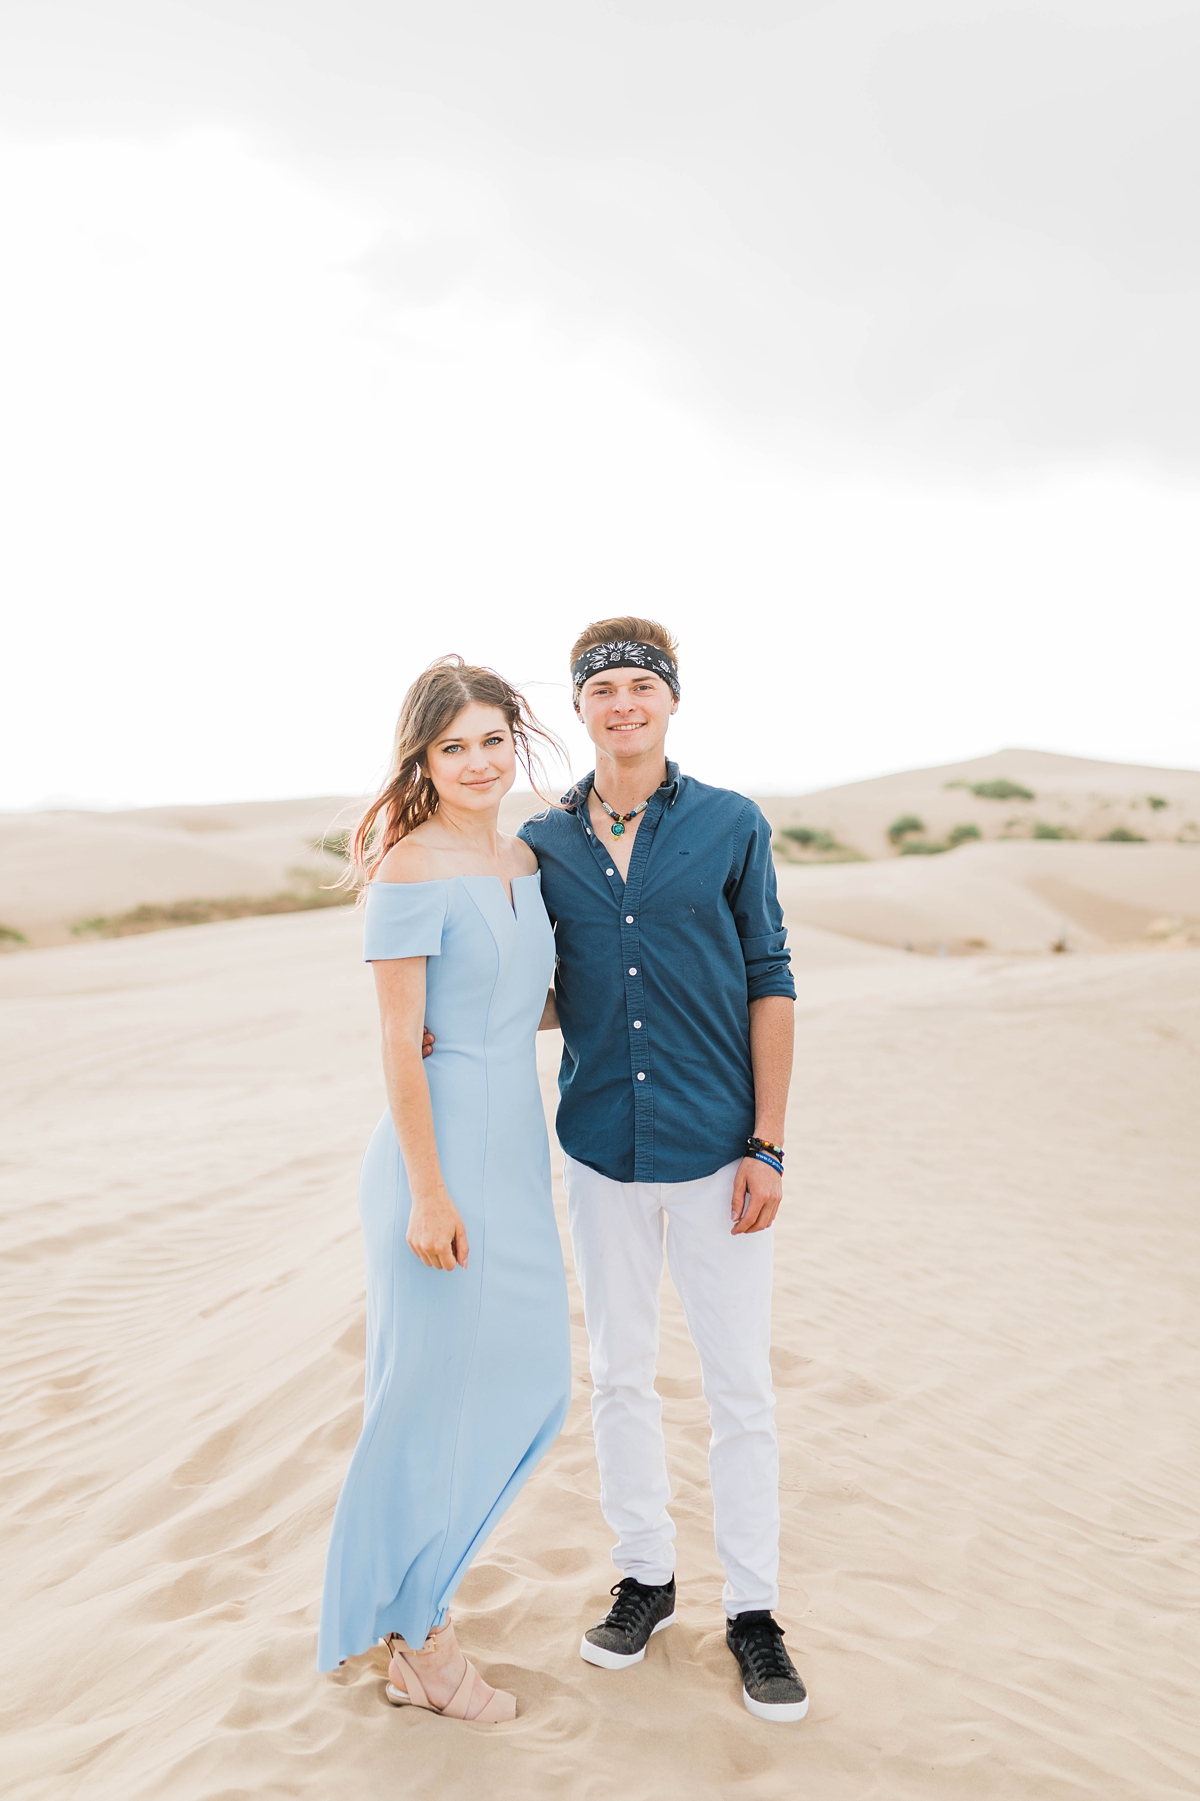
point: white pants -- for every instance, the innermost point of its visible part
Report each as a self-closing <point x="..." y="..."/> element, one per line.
<point x="617" y="1231"/>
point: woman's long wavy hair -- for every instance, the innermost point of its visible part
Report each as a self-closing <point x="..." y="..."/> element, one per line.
<point x="408" y="797"/>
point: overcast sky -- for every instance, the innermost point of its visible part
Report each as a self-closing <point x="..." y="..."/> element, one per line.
<point x="855" y="339"/>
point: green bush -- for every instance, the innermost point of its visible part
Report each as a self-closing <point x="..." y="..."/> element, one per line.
<point x="922" y="847"/>
<point x="1001" y="789"/>
<point x="810" y="838"/>
<point x="1122" y="835"/>
<point x="1042" y="830"/>
<point x="902" y="827"/>
<point x="1158" y="802"/>
<point x="150" y="918"/>
<point x="8" y="935"/>
<point x="959" y="834"/>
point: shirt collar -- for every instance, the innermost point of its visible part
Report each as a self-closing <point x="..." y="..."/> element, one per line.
<point x="576" y="797"/>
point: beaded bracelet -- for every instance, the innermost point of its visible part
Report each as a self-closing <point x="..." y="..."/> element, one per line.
<point x="764" y="1144"/>
<point x="765" y="1152"/>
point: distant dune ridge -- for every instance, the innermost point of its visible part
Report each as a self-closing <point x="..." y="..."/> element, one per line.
<point x="1078" y="796"/>
<point x="60" y="869"/>
<point x="1026" y="875"/>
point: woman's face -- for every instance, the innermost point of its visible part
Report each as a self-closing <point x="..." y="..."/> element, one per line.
<point x="474" y="761"/>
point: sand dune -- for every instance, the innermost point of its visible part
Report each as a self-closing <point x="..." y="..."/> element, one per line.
<point x="60" y="868"/>
<point x="985" y="1353"/>
<point x="1080" y="795"/>
<point x="1007" y="897"/>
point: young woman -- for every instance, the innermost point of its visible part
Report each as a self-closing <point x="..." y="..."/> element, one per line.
<point x="468" y="1358"/>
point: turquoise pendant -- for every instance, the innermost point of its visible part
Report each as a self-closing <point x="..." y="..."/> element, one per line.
<point x="618" y="829"/>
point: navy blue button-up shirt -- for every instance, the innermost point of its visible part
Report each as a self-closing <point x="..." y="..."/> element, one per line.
<point x="655" y="975"/>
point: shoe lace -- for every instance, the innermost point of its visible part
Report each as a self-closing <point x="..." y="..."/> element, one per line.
<point x="632" y="1604"/>
<point x="761" y="1644"/>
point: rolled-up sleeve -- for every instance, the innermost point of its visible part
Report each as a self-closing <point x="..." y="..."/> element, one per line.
<point x="754" y="902"/>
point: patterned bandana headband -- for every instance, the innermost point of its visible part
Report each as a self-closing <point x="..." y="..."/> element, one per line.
<point x="625" y="653"/>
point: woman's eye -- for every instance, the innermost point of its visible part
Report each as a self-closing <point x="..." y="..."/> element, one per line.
<point x="496" y="740"/>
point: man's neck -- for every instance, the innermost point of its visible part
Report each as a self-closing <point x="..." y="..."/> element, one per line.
<point x="625" y="785"/>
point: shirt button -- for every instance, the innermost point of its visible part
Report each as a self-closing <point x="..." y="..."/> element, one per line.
<point x="641" y="1075"/>
<point x="633" y="972"/>
<point x="637" y="1025"/>
<point x="608" y="872"/>
<point x="589" y="831"/>
<point x="629" y="919"/>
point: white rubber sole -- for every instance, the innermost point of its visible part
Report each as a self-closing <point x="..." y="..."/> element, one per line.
<point x="396" y="1696"/>
<point x="613" y="1660"/>
<point x="794" y="1710"/>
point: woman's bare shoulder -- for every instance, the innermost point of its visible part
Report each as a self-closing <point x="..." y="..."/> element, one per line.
<point x="522" y="858"/>
<point x="410" y="861"/>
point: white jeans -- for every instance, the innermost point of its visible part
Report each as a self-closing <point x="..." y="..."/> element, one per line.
<point x="617" y="1231"/>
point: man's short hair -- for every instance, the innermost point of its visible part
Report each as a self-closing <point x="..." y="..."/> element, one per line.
<point x="642" y="631"/>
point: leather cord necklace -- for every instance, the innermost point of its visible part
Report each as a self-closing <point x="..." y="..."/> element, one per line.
<point x="620" y="820"/>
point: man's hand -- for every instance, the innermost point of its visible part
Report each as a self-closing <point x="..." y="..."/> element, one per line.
<point x="757" y="1193"/>
<point x="427" y="1042"/>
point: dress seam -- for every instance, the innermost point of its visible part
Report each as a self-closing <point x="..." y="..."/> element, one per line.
<point x="462" y="1399"/>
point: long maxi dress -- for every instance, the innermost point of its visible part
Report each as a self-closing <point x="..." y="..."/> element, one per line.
<point x="468" y="1372"/>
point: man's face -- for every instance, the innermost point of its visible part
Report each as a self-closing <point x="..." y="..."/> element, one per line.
<point x="626" y="711"/>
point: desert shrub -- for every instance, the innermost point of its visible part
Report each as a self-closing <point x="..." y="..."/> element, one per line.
<point x="1157" y="801"/>
<point x="959" y="834"/>
<point x="922" y="847"/>
<point x="1001" y="789"/>
<point x="1042" y="830"/>
<point x="902" y="827"/>
<point x="1122" y="835"/>
<point x="809" y="837"/>
<point x="203" y="912"/>
<point x="9" y="935"/>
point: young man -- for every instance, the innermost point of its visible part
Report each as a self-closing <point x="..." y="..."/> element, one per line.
<point x="675" y="999"/>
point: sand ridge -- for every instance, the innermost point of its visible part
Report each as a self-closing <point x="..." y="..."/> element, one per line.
<point x="986" y="1359"/>
<point x="60" y="868"/>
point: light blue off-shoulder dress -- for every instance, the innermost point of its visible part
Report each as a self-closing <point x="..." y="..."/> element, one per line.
<point x="468" y="1372"/>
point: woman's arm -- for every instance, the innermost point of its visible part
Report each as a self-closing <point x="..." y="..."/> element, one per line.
<point x="436" y="1233"/>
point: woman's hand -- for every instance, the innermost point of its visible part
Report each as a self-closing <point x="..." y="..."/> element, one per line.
<point x="436" y="1233"/>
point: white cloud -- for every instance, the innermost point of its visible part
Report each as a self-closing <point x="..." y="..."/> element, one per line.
<point x="926" y="236"/>
<point x="249" y="494"/>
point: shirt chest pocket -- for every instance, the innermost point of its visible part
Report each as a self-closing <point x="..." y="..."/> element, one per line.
<point x="691" y="890"/>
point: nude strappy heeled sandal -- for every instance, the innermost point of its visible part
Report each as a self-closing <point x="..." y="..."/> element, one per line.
<point x="500" y="1705"/>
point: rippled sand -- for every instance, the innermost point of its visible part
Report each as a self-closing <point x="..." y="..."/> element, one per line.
<point x="986" y="1331"/>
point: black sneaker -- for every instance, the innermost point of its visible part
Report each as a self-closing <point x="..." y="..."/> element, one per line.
<point x="771" y="1688"/>
<point x="634" y="1617"/>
